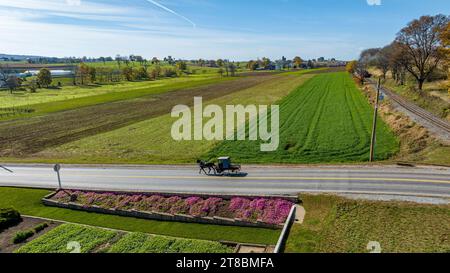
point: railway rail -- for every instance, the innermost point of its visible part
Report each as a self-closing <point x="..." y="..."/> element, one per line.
<point x="420" y="112"/>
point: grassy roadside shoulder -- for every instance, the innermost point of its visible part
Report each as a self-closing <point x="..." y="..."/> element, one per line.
<point x="28" y="202"/>
<point x="417" y="144"/>
<point x="339" y="225"/>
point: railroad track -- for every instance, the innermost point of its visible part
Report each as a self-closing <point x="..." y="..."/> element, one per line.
<point x="429" y="117"/>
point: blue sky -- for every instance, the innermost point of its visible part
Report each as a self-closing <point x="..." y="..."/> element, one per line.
<point x="211" y="29"/>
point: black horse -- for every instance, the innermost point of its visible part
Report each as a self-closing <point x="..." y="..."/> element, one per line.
<point x="205" y="165"/>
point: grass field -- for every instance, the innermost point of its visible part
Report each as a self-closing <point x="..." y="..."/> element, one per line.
<point x="94" y="240"/>
<point x="70" y="97"/>
<point x="336" y="224"/>
<point x="151" y="142"/>
<point x="325" y="120"/>
<point x="24" y="137"/>
<point x="28" y="202"/>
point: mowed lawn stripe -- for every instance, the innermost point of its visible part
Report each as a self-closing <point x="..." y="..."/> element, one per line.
<point x="326" y="120"/>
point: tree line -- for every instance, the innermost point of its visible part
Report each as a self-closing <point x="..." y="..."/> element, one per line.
<point x="419" y="49"/>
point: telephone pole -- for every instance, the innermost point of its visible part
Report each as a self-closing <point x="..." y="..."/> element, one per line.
<point x="374" y="128"/>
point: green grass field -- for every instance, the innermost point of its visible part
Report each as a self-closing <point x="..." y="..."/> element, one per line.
<point x="151" y="142"/>
<point x="93" y="239"/>
<point x="71" y="97"/>
<point x="336" y="224"/>
<point x="325" y="120"/>
<point x="28" y="202"/>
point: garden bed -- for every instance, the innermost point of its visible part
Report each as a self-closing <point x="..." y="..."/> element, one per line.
<point x="233" y="211"/>
<point x="98" y="240"/>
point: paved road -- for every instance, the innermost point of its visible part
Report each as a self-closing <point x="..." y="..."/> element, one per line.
<point x="422" y="181"/>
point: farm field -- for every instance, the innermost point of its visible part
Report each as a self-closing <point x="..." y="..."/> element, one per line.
<point x="325" y="120"/>
<point x="150" y="141"/>
<point x="338" y="225"/>
<point x="27" y="136"/>
<point x="70" y="97"/>
<point x="93" y="240"/>
<point x="28" y="202"/>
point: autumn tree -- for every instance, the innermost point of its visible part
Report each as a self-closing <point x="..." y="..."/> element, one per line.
<point x="44" y="77"/>
<point x="83" y="72"/>
<point x="127" y="72"/>
<point x="265" y="62"/>
<point x="92" y="71"/>
<point x="421" y="42"/>
<point x="351" y="67"/>
<point x="33" y="86"/>
<point x="298" y="62"/>
<point x="13" y="82"/>
<point x="141" y="74"/>
<point x="382" y="60"/>
<point x="181" y="66"/>
<point x="445" y="50"/>
<point x="252" y="65"/>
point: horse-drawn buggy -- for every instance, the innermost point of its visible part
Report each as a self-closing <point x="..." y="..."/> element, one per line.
<point x="224" y="167"/>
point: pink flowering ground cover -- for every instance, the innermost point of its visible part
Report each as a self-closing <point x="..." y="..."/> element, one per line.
<point x="270" y="211"/>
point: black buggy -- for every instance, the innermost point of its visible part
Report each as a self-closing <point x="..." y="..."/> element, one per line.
<point x="224" y="167"/>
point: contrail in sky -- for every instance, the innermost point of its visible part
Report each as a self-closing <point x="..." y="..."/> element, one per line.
<point x="171" y="11"/>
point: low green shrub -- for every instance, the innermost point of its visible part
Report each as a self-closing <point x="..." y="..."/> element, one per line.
<point x="22" y="236"/>
<point x="40" y="227"/>
<point x="9" y="217"/>
<point x="145" y="243"/>
<point x="57" y="240"/>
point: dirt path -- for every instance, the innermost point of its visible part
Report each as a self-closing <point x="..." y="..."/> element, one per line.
<point x="21" y="138"/>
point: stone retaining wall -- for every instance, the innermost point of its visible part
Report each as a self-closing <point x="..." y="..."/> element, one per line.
<point x="159" y="215"/>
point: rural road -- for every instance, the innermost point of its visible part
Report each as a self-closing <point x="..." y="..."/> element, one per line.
<point x="420" y="181"/>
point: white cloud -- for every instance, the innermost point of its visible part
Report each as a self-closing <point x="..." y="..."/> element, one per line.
<point x="73" y="2"/>
<point x="374" y="2"/>
<point x="149" y="32"/>
<point x="172" y="11"/>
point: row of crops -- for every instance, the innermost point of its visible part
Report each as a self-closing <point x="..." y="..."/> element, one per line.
<point x="9" y="112"/>
<point x="69" y="238"/>
<point x="325" y="120"/>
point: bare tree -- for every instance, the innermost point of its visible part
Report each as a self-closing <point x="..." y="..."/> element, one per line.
<point x="13" y="82"/>
<point x="420" y="40"/>
<point x="382" y="60"/>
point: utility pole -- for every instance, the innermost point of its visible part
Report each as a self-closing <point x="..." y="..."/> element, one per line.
<point x="374" y="128"/>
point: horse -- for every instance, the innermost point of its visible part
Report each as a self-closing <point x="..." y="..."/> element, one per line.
<point x="205" y="165"/>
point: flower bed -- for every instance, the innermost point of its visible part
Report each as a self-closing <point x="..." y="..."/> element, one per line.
<point x="234" y="211"/>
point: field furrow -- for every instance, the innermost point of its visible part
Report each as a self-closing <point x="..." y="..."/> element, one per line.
<point x="325" y="120"/>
